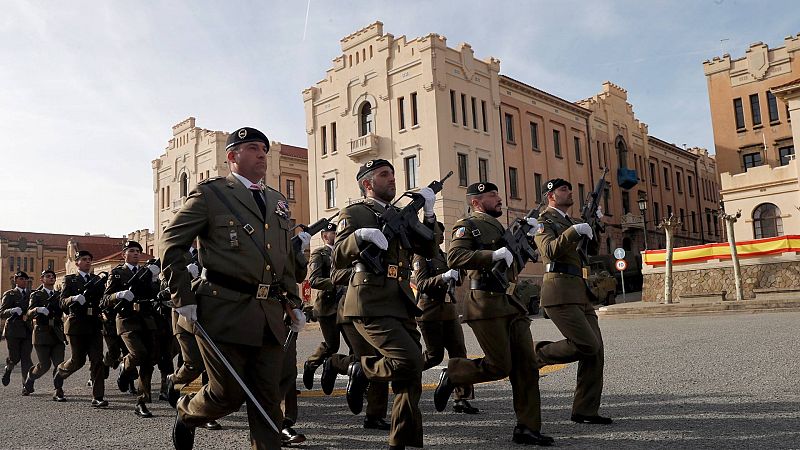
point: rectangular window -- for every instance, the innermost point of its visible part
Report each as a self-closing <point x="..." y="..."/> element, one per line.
<point x="626" y="202"/>
<point x="474" y="113"/>
<point x="557" y="143"/>
<point x="669" y="211"/>
<point x="50" y="264"/>
<point x="25" y="264"/>
<point x="290" y="189"/>
<point x="577" y="141"/>
<point x="751" y="160"/>
<point x="512" y="182"/>
<point x="716" y="228"/>
<point x="786" y="154"/>
<point x="453" y="114"/>
<point x="414" y="110"/>
<point x="483" y="115"/>
<point x="679" y="181"/>
<point x="690" y="186"/>
<point x="772" y="105"/>
<point x="606" y="196"/>
<point x="535" y="136"/>
<point x="19" y="263"/>
<point x="755" y="109"/>
<point x="401" y="112"/>
<point x="683" y="219"/>
<point x="323" y="135"/>
<point x="330" y="193"/>
<point x="462" y="170"/>
<point x="464" y="109"/>
<point x="10" y="263"/>
<point x="333" y="137"/>
<point x="581" y="194"/>
<point x="738" y="111"/>
<point x="537" y="183"/>
<point x="694" y="222"/>
<point x="666" y="178"/>
<point x="709" y="226"/>
<point x="509" y="128"/>
<point x="483" y="170"/>
<point x="656" y="212"/>
<point x="411" y="171"/>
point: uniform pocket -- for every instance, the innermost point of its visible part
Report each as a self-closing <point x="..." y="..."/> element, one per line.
<point x="367" y="279"/>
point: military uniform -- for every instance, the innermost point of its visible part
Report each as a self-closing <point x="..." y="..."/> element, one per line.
<point x="566" y="300"/>
<point x="439" y="323"/>
<point x="248" y="330"/>
<point x="17" y="332"/>
<point x="48" y="332"/>
<point x="325" y="305"/>
<point x="382" y="309"/>
<point x="497" y="317"/>
<point x="82" y="327"/>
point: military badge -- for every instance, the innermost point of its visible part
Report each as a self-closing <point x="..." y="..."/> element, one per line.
<point x="342" y="223"/>
<point x="416" y="265"/>
<point x="460" y="232"/>
<point x="242" y="133"/>
<point x="540" y="228"/>
<point x="282" y="209"/>
<point x="481" y="187"/>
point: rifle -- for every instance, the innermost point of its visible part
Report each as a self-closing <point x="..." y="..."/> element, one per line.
<point x="399" y="224"/>
<point x="312" y="229"/>
<point x="141" y="279"/>
<point x="517" y="239"/>
<point x="589" y="215"/>
<point x="92" y="292"/>
<point x="51" y="304"/>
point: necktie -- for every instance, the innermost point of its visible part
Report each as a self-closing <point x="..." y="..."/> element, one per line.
<point x="133" y="269"/>
<point x="256" y="190"/>
<point x="86" y="278"/>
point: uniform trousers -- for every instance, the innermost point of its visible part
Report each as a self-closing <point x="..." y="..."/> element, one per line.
<point x="330" y="335"/>
<point x="288" y="385"/>
<point x="441" y="335"/>
<point x="192" y="365"/>
<point x="19" y="352"/>
<point x="47" y="355"/>
<point x="583" y="343"/>
<point x="82" y="346"/>
<point x="142" y="349"/>
<point x="508" y="352"/>
<point x="400" y="362"/>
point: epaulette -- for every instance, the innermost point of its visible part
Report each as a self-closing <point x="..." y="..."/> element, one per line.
<point x="208" y="180"/>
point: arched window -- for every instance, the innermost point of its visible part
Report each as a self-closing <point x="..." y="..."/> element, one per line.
<point x="184" y="185"/>
<point x="767" y="221"/>
<point x="622" y="152"/>
<point x="366" y="119"/>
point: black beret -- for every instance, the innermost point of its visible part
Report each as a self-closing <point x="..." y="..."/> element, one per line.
<point x="46" y="271"/>
<point x="83" y="253"/>
<point x="554" y="184"/>
<point x="132" y="244"/>
<point x="21" y="274"/>
<point x="331" y="227"/>
<point x="371" y="165"/>
<point x="246" y="134"/>
<point x="481" y="188"/>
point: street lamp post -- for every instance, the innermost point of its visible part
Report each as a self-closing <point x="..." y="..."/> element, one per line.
<point x="643" y="209"/>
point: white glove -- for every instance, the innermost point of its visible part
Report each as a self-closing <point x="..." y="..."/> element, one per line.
<point x="298" y="321"/>
<point x="451" y="274"/>
<point x="16" y="310"/>
<point x="79" y="298"/>
<point x="155" y="271"/>
<point x="503" y="253"/>
<point x="125" y="295"/>
<point x="534" y="224"/>
<point x="194" y="270"/>
<point x="42" y="310"/>
<point x="599" y="212"/>
<point x="430" y="199"/>
<point x="584" y="229"/>
<point x="373" y="235"/>
<point x="305" y="238"/>
<point x="188" y="311"/>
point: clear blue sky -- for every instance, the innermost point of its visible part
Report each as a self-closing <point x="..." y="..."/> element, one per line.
<point x="89" y="90"/>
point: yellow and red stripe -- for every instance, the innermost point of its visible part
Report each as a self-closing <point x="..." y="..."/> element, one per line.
<point x="721" y="250"/>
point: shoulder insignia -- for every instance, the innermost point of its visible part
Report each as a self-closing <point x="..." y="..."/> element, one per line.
<point x="460" y="232"/>
<point x="208" y="180"/>
<point x="540" y="228"/>
<point x="341" y="224"/>
<point x="416" y="265"/>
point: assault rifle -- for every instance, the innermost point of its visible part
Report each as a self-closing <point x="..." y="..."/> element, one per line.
<point x="92" y="292"/>
<point x="312" y="229"/>
<point x="52" y="303"/>
<point x="141" y="286"/>
<point x="399" y="224"/>
<point x="517" y="238"/>
<point x="589" y="215"/>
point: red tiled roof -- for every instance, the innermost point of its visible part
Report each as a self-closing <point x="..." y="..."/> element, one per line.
<point x="101" y="252"/>
<point x="58" y="240"/>
<point x="789" y="84"/>
<point x="295" y="152"/>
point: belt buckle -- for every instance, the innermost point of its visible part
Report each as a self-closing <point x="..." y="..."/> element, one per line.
<point x="263" y="291"/>
<point x="585" y="271"/>
<point x="510" y="288"/>
<point x="137" y="307"/>
<point x="391" y="271"/>
<point x="90" y="311"/>
<point x="249" y="228"/>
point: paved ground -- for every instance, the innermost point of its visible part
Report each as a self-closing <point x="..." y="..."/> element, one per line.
<point x="711" y="381"/>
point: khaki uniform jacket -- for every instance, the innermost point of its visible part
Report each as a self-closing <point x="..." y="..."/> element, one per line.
<point x="49" y="329"/>
<point x="128" y="320"/>
<point x="340" y="279"/>
<point x="557" y="241"/>
<point x="319" y="278"/>
<point x="474" y="254"/>
<point x="432" y="290"/>
<point x="19" y="326"/>
<point x="88" y="320"/>
<point x="368" y="294"/>
<point x="225" y="247"/>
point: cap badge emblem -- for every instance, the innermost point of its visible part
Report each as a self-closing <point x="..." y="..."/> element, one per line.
<point x="242" y="133"/>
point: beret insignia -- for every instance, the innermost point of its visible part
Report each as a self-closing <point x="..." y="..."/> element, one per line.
<point x="481" y="187"/>
<point x="242" y="133"/>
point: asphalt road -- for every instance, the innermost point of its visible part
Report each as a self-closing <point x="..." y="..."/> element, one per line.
<point x="713" y="381"/>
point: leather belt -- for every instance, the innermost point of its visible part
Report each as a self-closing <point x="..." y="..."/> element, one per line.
<point x="259" y="291"/>
<point x="486" y="284"/>
<point x="392" y="271"/>
<point x="569" y="269"/>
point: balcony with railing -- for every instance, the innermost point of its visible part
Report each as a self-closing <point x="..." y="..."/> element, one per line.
<point x="627" y="178"/>
<point x="363" y="146"/>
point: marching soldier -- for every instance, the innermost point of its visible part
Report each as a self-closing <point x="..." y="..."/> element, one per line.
<point x="82" y="328"/>
<point x="48" y="332"/>
<point x="135" y="323"/>
<point x="382" y="306"/>
<point x="439" y="323"/>
<point x="17" y="330"/>
<point x="244" y="233"/>
<point x="497" y="317"/>
<point x="566" y="300"/>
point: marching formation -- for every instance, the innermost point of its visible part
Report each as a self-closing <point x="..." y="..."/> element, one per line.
<point x="223" y="299"/>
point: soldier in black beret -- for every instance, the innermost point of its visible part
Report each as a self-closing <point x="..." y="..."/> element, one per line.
<point x="370" y="166"/>
<point x="17" y="331"/>
<point x="554" y="184"/>
<point x="246" y="134"/>
<point x="46" y="316"/>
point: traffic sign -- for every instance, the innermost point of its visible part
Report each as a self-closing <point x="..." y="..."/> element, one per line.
<point x="621" y="265"/>
<point x="619" y="253"/>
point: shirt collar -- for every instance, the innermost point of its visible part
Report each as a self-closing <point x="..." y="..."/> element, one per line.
<point x="83" y="274"/>
<point x="379" y="201"/>
<point x="329" y="246"/>
<point x="130" y="266"/>
<point x="247" y="183"/>
<point x="21" y="290"/>
<point x="563" y="214"/>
